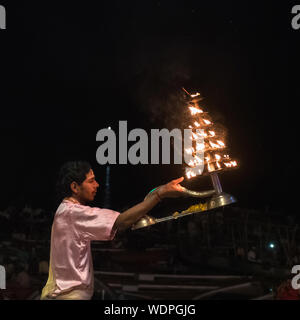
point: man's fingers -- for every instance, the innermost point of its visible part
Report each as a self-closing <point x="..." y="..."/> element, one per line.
<point x="176" y="181"/>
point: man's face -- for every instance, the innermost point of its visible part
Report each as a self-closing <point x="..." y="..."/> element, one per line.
<point x="88" y="189"/>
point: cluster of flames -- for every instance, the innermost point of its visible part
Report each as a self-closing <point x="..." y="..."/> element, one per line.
<point x="212" y="144"/>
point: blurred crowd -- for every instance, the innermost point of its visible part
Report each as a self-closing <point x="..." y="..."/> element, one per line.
<point x="24" y="250"/>
<point x="199" y="240"/>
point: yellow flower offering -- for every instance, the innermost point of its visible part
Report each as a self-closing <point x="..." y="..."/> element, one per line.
<point x="194" y="208"/>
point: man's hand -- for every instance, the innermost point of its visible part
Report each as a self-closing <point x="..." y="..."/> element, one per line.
<point x="173" y="189"/>
<point x="170" y="190"/>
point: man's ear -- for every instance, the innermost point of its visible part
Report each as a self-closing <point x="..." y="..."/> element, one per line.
<point x="74" y="187"/>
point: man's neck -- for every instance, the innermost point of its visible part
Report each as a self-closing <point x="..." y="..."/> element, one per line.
<point x="74" y="199"/>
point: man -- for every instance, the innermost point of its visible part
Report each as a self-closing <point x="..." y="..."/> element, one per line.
<point x="76" y="224"/>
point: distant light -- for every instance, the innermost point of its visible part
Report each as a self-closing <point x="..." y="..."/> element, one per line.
<point x="271" y="245"/>
<point x="109" y="128"/>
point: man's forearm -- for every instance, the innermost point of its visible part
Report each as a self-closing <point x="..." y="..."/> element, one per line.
<point x="132" y="215"/>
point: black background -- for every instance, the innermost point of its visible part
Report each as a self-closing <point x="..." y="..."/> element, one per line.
<point x="70" y="69"/>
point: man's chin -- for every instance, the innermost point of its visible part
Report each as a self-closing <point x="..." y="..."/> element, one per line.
<point x="89" y="200"/>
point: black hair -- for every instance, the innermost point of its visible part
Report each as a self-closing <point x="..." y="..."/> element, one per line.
<point x="71" y="171"/>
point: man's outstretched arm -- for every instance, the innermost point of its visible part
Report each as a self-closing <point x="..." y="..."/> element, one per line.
<point x="126" y="219"/>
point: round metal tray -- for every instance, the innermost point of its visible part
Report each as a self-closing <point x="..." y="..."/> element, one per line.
<point x="218" y="200"/>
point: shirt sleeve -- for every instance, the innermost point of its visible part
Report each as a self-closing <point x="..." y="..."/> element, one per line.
<point x="93" y="223"/>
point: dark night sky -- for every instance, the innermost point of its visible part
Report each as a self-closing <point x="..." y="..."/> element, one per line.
<point x="69" y="70"/>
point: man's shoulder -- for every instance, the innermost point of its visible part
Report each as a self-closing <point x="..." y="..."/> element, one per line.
<point x="67" y="206"/>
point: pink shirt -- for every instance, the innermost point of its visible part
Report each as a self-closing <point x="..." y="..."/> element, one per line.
<point x="71" y="264"/>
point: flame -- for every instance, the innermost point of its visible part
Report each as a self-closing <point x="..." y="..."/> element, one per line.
<point x="195" y="136"/>
<point x="191" y="163"/>
<point x="204" y="134"/>
<point x="200" y="146"/>
<point x="195" y="110"/>
<point x="221" y="143"/>
<point x="214" y="145"/>
<point x="217" y="156"/>
<point x="230" y="164"/>
<point x="194" y="163"/>
<point x="198" y="160"/>
<point x="190" y="174"/>
<point x="207" y="144"/>
<point x="190" y="150"/>
<point x="210" y="167"/>
<point x="207" y="158"/>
